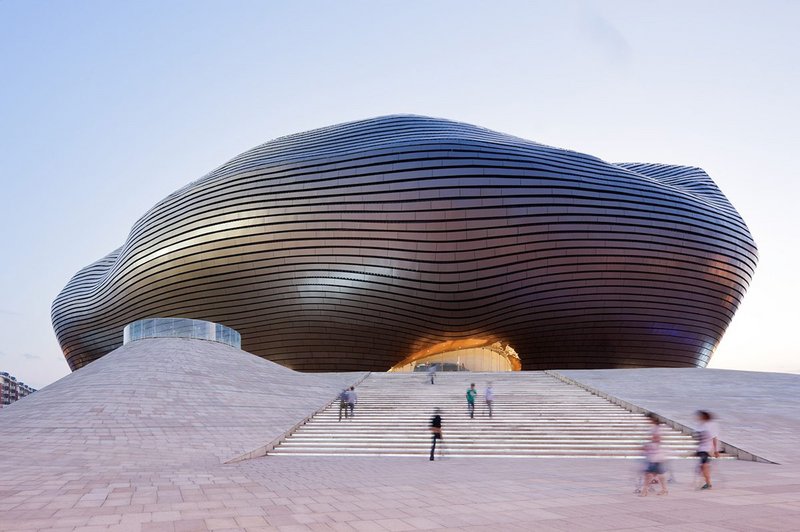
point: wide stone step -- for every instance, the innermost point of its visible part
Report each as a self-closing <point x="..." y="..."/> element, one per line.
<point x="521" y="415"/>
<point x="467" y="422"/>
<point x="474" y="437"/>
<point x="424" y="433"/>
<point x="477" y="444"/>
<point x="427" y="408"/>
<point x="466" y="452"/>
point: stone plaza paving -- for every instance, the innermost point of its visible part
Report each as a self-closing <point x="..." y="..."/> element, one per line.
<point x="138" y="441"/>
<point x="306" y="493"/>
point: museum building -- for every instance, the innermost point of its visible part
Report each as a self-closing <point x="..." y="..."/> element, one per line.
<point x="401" y="241"/>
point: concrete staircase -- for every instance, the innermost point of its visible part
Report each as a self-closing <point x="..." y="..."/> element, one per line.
<point x="535" y="415"/>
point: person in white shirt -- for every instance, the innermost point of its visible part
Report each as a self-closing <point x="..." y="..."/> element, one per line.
<point x="707" y="444"/>
<point x="655" y="457"/>
<point x="352" y="399"/>
<point x="489" y="398"/>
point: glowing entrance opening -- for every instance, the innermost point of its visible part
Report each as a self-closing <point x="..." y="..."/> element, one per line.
<point x="471" y="354"/>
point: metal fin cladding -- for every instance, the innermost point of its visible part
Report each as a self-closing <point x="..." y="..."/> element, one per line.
<point x="351" y="246"/>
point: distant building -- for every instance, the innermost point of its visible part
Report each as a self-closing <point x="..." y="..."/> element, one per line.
<point x="12" y="390"/>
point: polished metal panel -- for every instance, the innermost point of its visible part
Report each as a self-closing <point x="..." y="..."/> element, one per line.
<point x="353" y="246"/>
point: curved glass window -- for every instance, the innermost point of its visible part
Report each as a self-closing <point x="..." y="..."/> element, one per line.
<point x="181" y="328"/>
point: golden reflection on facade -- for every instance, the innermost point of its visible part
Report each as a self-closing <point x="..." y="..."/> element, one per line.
<point x="470" y="354"/>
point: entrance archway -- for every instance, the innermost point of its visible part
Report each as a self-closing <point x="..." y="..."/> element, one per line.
<point x="470" y="354"/>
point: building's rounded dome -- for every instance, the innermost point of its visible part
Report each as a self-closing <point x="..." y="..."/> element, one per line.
<point x="352" y="247"/>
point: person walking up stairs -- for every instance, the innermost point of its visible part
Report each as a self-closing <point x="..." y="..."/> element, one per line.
<point x="436" y="430"/>
<point x="471" y="393"/>
<point x="488" y="396"/>
<point x="352" y="399"/>
<point x="343" y="404"/>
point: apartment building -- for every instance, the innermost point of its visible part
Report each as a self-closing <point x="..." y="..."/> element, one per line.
<point x="12" y="389"/>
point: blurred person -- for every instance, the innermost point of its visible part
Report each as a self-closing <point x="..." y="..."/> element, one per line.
<point x="343" y="404"/>
<point x="436" y="431"/>
<point x="641" y="474"/>
<point x="707" y="444"/>
<point x="489" y="397"/>
<point x="352" y="399"/>
<point x="432" y="372"/>
<point x="655" y="458"/>
<point x="471" y="393"/>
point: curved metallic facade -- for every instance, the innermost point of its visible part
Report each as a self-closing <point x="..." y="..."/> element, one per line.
<point x="353" y="246"/>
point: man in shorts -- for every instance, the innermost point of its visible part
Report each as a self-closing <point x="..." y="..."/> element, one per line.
<point x="707" y="444"/>
<point x="654" y="455"/>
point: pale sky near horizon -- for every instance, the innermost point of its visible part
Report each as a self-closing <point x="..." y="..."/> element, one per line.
<point x="107" y="107"/>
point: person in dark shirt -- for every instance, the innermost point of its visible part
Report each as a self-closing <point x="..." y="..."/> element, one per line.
<point x="436" y="429"/>
<point x="343" y="404"/>
<point x="471" y="393"/>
